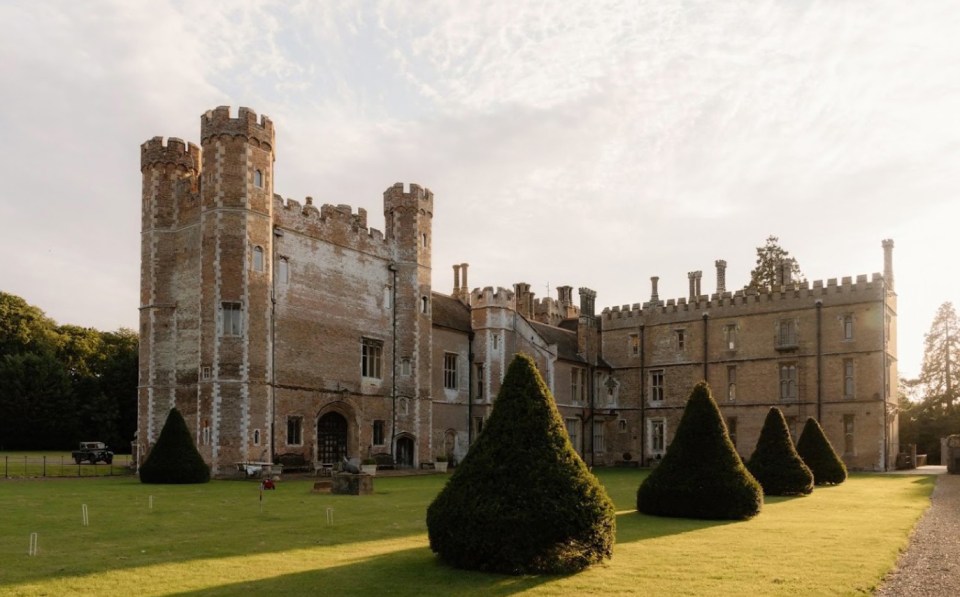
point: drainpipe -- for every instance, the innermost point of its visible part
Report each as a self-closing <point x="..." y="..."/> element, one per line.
<point x="884" y="376"/>
<point x="819" y="305"/>
<point x="277" y="233"/>
<point x="393" y="392"/>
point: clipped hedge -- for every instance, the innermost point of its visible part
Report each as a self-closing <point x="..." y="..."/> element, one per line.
<point x="522" y="501"/>
<point x="818" y="454"/>
<point x="775" y="462"/>
<point x="174" y="459"/>
<point x="701" y="475"/>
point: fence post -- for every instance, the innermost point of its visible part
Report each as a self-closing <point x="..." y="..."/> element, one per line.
<point x="44" y="465"/>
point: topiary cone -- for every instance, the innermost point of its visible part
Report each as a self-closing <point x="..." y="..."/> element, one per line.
<point x="522" y="501"/>
<point x="818" y="454"/>
<point x="775" y="462"/>
<point x="701" y="475"/>
<point x="174" y="459"/>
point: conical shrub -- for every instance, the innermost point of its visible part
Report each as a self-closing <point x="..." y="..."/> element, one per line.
<point x="818" y="454"/>
<point x="522" y="501"/>
<point x="174" y="459"/>
<point x="775" y="462"/>
<point x="701" y="475"/>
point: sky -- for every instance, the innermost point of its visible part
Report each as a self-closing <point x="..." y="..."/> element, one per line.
<point x="592" y="143"/>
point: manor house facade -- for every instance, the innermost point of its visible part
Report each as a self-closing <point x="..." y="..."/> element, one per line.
<point x="277" y="327"/>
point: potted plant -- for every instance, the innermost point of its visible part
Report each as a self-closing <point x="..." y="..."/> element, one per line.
<point x="440" y="463"/>
<point x="368" y="466"/>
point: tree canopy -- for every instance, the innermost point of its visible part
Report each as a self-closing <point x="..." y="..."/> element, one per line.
<point x="770" y="259"/>
<point x="61" y="384"/>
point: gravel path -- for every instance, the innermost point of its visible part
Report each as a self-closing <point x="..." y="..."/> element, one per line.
<point x="930" y="567"/>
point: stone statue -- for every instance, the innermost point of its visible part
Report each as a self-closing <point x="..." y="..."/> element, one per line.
<point x="349" y="466"/>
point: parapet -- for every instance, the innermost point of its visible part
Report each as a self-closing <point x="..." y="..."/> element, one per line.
<point x="490" y="298"/>
<point x="331" y="223"/>
<point x="218" y="122"/>
<point x="174" y="151"/>
<point x="417" y="197"/>
<point x="793" y="296"/>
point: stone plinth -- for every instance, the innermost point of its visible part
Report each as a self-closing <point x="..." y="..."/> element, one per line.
<point x="352" y="484"/>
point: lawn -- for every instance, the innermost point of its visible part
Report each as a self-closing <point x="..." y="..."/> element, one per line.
<point x="213" y="539"/>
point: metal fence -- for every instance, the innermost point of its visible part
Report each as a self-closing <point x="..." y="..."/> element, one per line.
<point x="63" y="466"/>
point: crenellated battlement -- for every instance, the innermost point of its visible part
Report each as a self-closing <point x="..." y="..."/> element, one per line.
<point x="218" y="122"/>
<point x="332" y="223"/>
<point x="416" y="197"/>
<point x="170" y="151"/>
<point x="488" y="297"/>
<point x="793" y="296"/>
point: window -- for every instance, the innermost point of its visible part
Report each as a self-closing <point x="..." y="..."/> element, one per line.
<point x="848" y="428"/>
<point x="258" y="179"/>
<point x="283" y="270"/>
<point x="231" y="319"/>
<point x="573" y="430"/>
<point x="256" y="437"/>
<point x="205" y="435"/>
<point x="658" y="435"/>
<point x="405" y="366"/>
<point x="387" y="297"/>
<point x="848" y="327"/>
<point x="730" y="336"/>
<point x="477" y="426"/>
<point x="496" y="341"/>
<point x="786" y="333"/>
<point x="731" y="382"/>
<point x="634" y="342"/>
<point x="371" y="352"/>
<point x="424" y="305"/>
<point x="205" y="372"/>
<point x="478" y="368"/>
<point x="403" y="406"/>
<point x="423" y="239"/>
<point x="294" y="431"/>
<point x="599" y="445"/>
<point x="732" y="430"/>
<point x="681" y="336"/>
<point x="848" y="378"/>
<point x="378" y="432"/>
<point x="450" y="371"/>
<point x="622" y="425"/>
<point x="788" y="381"/>
<point x="578" y="384"/>
<point x="656" y="385"/>
<point x="258" y="259"/>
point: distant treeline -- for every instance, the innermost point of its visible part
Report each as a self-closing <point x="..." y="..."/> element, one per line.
<point x="62" y="384"/>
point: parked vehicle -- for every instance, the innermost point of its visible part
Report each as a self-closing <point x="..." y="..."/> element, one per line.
<point x="94" y="452"/>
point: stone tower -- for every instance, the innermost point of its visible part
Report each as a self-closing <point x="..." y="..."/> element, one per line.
<point x="237" y="266"/>
<point x="408" y="216"/>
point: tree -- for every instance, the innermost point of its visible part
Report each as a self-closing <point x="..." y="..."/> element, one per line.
<point x="174" y="459"/>
<point x="522" y="501"/>
<point x="818" y="454"/>
<point x="775" y="462"/>
<point x="701" y="475"/>
<point x="23" y="327"/>
<point x="770" y="261"/>
<point x="37" y="409"/>
<point x="939" y="374"/>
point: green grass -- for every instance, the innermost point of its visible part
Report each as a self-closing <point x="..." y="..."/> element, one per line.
<point x="212" y="539"/>
<point x="58" y="464"/>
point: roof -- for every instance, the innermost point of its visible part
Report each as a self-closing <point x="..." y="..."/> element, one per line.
<point x="565" y="340"/>
<point x="448" y="312"/>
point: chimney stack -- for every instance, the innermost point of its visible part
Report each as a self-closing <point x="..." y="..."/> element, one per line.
<point x="587" y="299"/>
<point x="654" y="297"/>
<point x="463" y="281"/>
<point x="721" y="275"/>
<point x="888" y="263"/>
<point x="456" y="281"/>
<point x="694" y="279"/>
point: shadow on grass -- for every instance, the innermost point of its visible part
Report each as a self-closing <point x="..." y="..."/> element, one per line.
<point x="634" y="526"/>
<point x="406" y="572"/>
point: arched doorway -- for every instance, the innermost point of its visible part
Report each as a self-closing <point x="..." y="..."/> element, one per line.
<point x="331" y="438"/>
<point x="405" y="451"/>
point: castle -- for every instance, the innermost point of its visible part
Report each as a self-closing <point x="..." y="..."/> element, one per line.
<point x="277" y="327"/>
